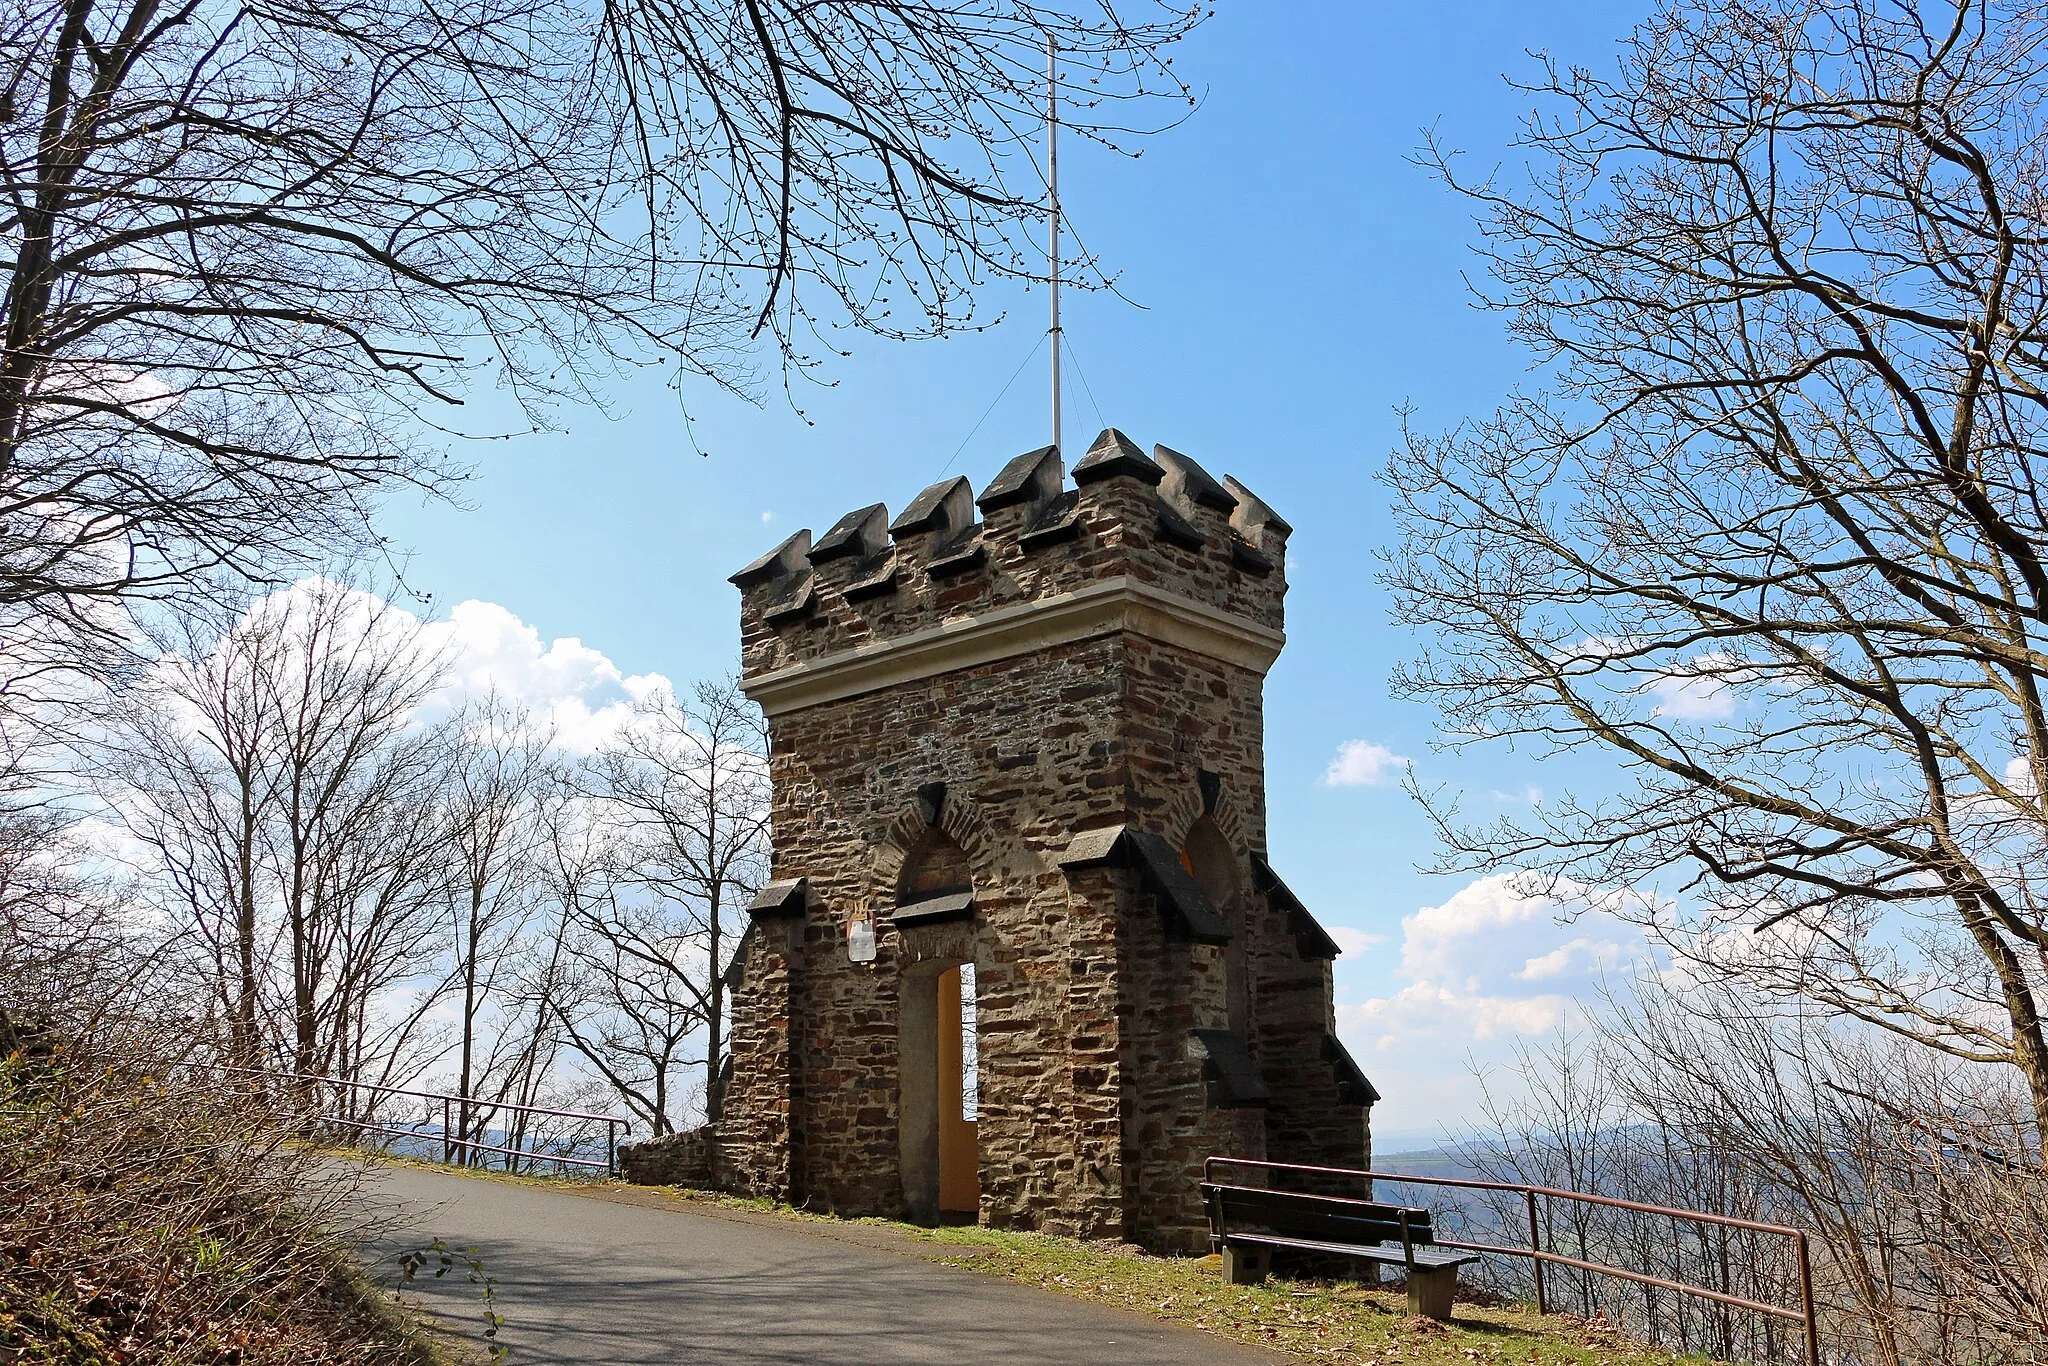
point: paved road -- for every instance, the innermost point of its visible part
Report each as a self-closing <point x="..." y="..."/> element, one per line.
<point x="588" y="1282"/>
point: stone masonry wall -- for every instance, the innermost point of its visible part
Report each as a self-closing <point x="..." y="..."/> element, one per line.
<point x="1097" y="1104"/>
<point x="757" y="1149"/>
<point x="850" y="771"/>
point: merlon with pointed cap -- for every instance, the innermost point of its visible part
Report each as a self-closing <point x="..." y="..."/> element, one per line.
<point x="946" y="506"/>
<point x="860" y="533"/>
<point x="1189" y="484"/>
<point x="1115" y="454"/>
<point x="1253" y="517"/>
<point x="1033" y="477"/>
<point x="785" y="559"/>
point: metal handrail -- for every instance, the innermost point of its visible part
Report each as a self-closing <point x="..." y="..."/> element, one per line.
<point x="1805" y="1315"/>
<point x="365" y="1126"/>
<point x="615" y="1127"/>
<point x="420" y="1095"/>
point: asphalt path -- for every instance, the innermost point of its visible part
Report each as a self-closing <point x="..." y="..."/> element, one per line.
<point x="588" y="1281"/>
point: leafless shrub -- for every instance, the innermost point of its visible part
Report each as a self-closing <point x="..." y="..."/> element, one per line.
<point x="1915" y="1176"/>
<point x="1570" y="1121"/>
<point x="156" y="1215"/>
<point x="1979" y="1206"/>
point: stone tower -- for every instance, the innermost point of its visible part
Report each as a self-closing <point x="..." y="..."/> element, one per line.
<point x="1024" y="731"/>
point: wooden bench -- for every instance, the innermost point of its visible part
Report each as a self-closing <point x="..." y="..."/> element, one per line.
<point x="1246" y="1224"/>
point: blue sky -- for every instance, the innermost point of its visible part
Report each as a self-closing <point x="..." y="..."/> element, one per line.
<point x="1298" y="280"/>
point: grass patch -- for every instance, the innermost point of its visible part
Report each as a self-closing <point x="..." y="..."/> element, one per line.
<point x="1313" y="1320"/>
<point x="1317" y="1320"/>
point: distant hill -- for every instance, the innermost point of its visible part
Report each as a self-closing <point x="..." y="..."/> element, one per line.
<point x="1425" y="1162"/>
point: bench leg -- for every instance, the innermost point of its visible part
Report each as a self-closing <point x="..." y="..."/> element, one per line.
<point x="1245" y="1265"/>
<point x="1430" y="1292"/>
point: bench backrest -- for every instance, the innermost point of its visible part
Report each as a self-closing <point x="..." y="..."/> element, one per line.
<point x="1321" y="1218"/>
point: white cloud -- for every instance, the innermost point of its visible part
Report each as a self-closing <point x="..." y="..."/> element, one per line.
<point x="1501" y="959"/>
<point x="767" y="516"/>
<point x="1354" y="941"/>
<point x="565" y="684"/>
<point x="1494" y="931"/>
<point x="1581" y="955"/>
<point x="1360" y="763"/>
<point x="1426" y="1020"/>
<point x="2019" y="775"/>
<point x="1700" y="689"/>
<point x="1692" y="699"/>
<point x="1530" y="795"/>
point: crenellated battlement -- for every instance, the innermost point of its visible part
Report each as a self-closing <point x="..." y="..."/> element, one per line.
<point x="1131" y="540"/>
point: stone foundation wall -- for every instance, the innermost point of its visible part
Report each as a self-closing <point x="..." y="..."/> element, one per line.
<point x="684" y="1159"/>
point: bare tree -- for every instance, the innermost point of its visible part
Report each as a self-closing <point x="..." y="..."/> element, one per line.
<point x="626" y="1010"/>
<point x="259" y="252"/>
<point x="68" y="936"/>
<point x="687" y="784"/>
<point x="525" y="1067"/>
<point x="613" y="988"/>
<point x="351" y="830"/>
<point x="194" y="787"/>
<point x="288" y="797"/>
<point x="384" y="871"/>
<point x="1773" y="537"/>
<point x="492" y="824"/>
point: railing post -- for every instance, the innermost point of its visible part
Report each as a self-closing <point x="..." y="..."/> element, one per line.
<point x="1536" y="1250"/>
<point x="611" y="1147"/>
<point x="447" y="1134"/>
<point x="1806" y="1300"/>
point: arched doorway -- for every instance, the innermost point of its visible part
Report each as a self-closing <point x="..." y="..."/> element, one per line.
<point x="936" y="1046"/>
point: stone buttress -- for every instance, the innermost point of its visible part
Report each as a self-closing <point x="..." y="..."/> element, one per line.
<point x="1024" y="731"/>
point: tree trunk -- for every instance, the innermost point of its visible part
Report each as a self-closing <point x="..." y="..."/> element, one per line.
<point x="469" y="970"/>
<point x="714" y="1048"/>
<point x="244" y="1032"/>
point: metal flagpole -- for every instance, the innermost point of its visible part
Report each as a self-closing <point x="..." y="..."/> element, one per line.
<point x="1052" y="161"/>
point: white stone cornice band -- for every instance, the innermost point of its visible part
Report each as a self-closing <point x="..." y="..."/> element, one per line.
<point x="1105" y="608"/>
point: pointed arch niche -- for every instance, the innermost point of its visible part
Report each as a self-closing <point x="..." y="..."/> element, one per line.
<point x="937" y="1053"/>
<point x="936" y="867"/>
<point x="1209" y="859"/>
